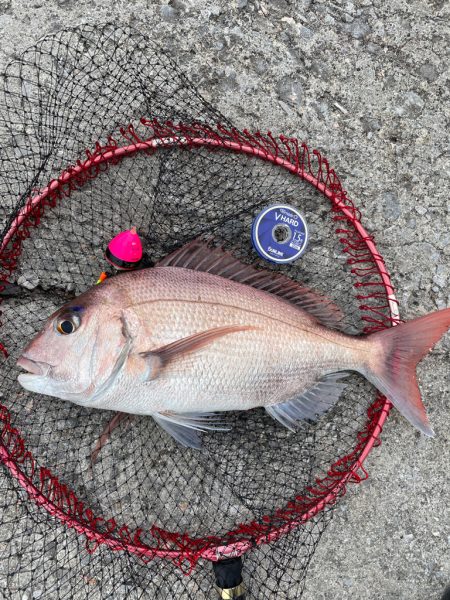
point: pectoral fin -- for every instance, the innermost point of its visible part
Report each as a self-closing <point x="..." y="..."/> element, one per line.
<point x="157" y="359"/>
<point x="185" y="428"/>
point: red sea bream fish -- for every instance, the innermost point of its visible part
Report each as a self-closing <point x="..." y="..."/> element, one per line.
<point x="202" y="333"/>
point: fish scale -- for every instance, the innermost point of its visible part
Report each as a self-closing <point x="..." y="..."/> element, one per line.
<point x="248" y="365"/>
<point x="202" y="333"/>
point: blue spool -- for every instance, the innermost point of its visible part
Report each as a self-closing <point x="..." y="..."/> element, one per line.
<point x="280" y="234"/>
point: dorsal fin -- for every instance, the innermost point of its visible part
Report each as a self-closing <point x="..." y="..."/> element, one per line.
<point x="201" y="256"/>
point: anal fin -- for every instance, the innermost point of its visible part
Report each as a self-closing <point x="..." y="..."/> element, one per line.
<point x="185" y="428"/>
<point x="311" y="404"/>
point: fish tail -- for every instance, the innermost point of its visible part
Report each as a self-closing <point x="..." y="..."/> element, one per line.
<point x="393" y="370"/>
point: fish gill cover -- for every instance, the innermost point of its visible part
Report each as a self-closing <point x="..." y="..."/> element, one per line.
<point x="100" y="131"/>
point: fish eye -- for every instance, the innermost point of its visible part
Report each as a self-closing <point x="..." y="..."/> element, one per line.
<point x="67" y="324"/>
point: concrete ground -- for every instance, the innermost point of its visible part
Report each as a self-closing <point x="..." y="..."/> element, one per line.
<point x="367" y="83"/>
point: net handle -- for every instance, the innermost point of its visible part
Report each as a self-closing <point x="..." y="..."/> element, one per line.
<point x="238" y="548"/>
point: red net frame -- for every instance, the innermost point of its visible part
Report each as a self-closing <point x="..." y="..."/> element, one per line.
<point x="377" y="300"/>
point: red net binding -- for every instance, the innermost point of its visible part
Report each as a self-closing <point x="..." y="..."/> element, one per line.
<point x="60" y="500"/>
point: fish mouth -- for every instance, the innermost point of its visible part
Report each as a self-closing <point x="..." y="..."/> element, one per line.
<point x="34" y="367"/>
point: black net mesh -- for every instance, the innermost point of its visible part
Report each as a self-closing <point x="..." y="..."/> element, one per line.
<point x="61" y="97"/>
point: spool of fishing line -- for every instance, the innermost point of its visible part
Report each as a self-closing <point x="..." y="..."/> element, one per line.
<point x="280" y="233"/>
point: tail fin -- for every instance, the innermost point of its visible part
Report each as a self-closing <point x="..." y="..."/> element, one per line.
<point x="395" y="374"/>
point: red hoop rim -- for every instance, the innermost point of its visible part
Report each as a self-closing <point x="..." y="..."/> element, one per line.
<point x="265" y="148"/>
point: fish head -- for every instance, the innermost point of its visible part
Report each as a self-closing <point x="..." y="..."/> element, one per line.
<point x="76" y="352"/>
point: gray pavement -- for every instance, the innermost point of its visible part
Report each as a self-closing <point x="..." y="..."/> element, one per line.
<point x="367" y="83"/>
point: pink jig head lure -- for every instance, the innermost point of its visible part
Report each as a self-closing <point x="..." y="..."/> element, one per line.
<point x="125" y="250"/>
